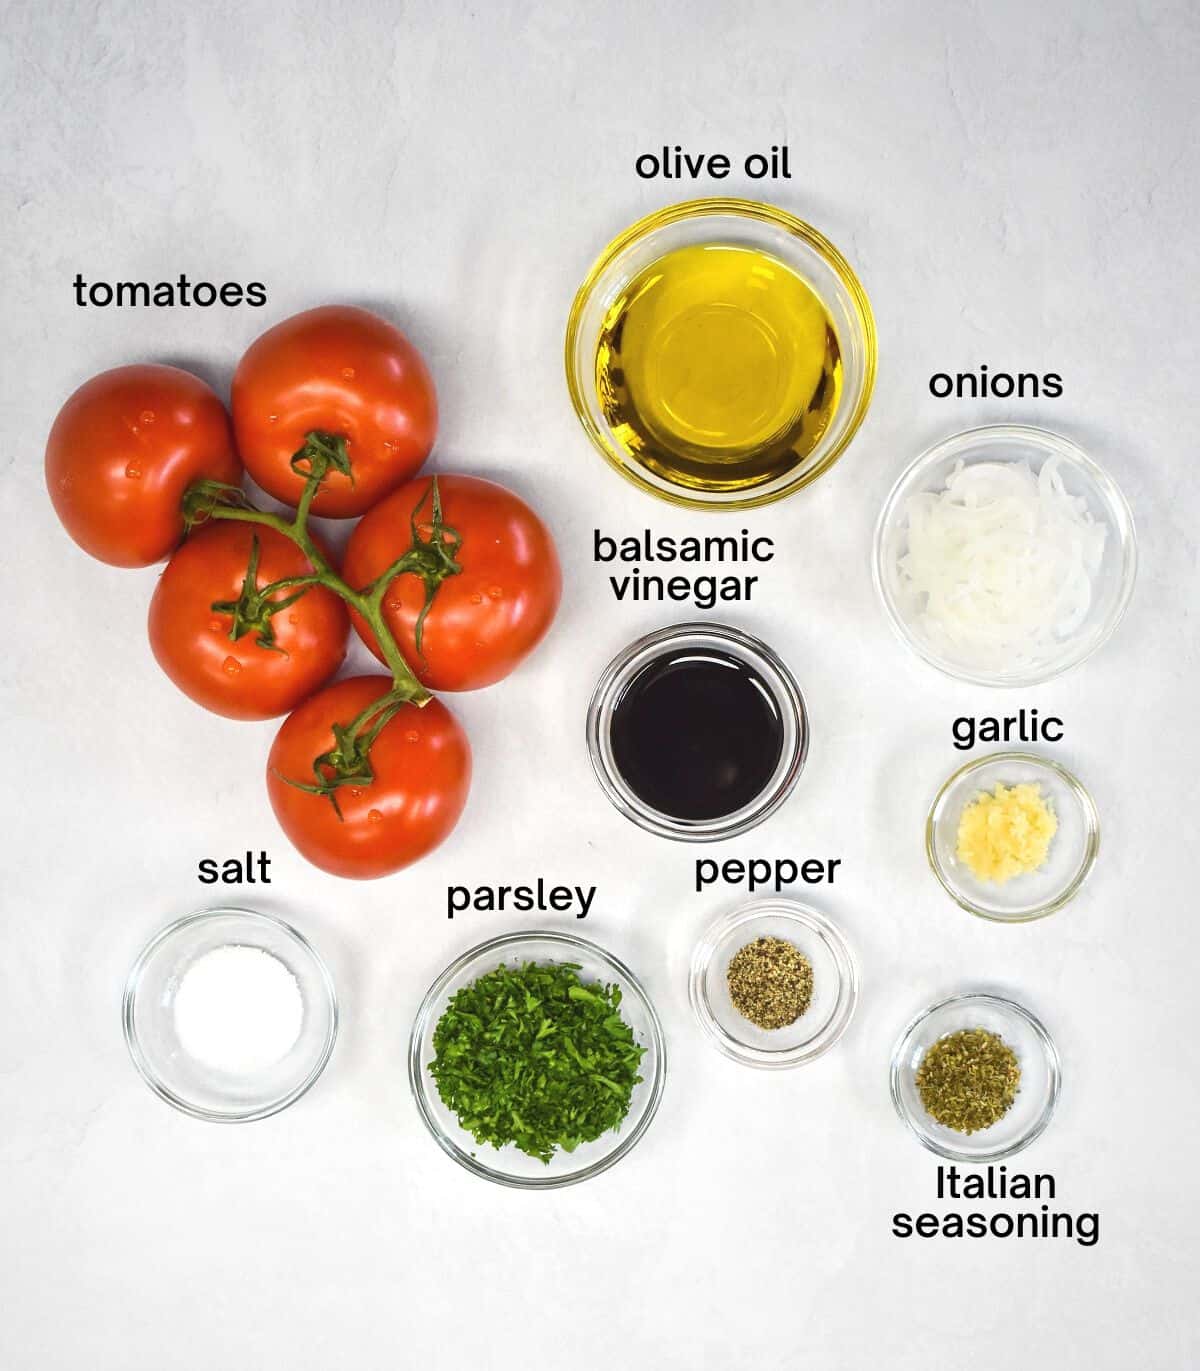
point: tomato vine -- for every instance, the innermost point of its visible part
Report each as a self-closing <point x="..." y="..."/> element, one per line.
<point x="432" y="557"/>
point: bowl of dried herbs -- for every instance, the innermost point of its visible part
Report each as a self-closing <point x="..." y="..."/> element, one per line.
<point x="975" y="1077"/>
<point x="537" y="1060"/>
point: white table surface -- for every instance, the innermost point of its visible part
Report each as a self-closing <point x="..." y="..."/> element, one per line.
<point x="1017" y="185"/>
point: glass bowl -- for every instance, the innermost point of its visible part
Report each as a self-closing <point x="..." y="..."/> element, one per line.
<point x="1072" y="852"/>
<point x="835" y="984"/>
<point x="190" y="1085"/>
<point x="1082" y="477"/>
<point x="509" y="1165"/>
<point x="743" y="223"/>
<point x="698" y="637"/>
<point x="1036" y="1098"/>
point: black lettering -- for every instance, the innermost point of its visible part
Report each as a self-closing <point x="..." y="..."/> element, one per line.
<point x="458" y="898"/>
<point x="1087" y="1230"/>
<point x="940" y="385"/>
<point x="756" y="166"/>
<point x="927" y="1225"/>
<point x="256" y="294"/>
<point x="99" y="293"/>
<point x="603" y="549"/>
<point x="786" y="871"/>
<point x="1052" y="385"/>
<point x="133" y="293"/>
<point x="963" y="731"/>
<point x="718" y="166"/>
<point x="207" y="872"/>
<point x="79" y="285"/>
<point x="646" y="166"/>
<point x="209" y="290"/>
<point x="1002" y="385"/>
<point x="706" y="591"/>
<point x="759" y="872"/>
<point x="231" y="293"/>
<point x="902" y="1226"/>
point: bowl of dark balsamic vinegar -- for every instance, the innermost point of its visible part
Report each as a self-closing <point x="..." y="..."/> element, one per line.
<point x="697" y="732"/>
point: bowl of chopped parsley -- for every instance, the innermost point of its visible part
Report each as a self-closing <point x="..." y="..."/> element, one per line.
<point x="537" y="1060"/>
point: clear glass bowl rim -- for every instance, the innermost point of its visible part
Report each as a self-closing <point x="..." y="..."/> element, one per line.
<point x="1066" y="447"/>
<point x="599" y="716"/>
<point x="1091" y="850"/>
<point x="1053" y="1066"/>
<point x="843" y="955"/>
<point x="133" y="981"/>
<point x="420" y="1089"/>
<point x="759" y="212"/>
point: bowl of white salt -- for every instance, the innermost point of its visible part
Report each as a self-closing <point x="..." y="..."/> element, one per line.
<point x="229" y="1015"/>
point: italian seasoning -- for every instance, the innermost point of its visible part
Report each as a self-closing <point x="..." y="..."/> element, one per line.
<point x="770" y="982"/>
<point x="968" y="1080"/>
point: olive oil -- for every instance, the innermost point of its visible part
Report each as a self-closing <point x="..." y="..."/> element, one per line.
<point x="718" y="368"/>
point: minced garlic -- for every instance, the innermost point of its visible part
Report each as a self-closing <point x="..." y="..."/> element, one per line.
<point x="1006" y="833"/>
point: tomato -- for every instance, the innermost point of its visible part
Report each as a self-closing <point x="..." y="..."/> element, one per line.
<point x="341" y="371"/>
<point x="483" y="621"/>
<point x="123" y="450"/>
<point x="243" y="679"/>
<point x="421" y="762"/>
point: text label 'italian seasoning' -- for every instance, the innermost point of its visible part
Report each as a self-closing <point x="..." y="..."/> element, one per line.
<point x="1038" y="1220"/>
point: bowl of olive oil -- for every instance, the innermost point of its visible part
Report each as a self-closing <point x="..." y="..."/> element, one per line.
<point x="721" y="354"/>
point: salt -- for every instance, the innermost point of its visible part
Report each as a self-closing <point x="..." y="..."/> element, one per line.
<point x="238" y="1009"/>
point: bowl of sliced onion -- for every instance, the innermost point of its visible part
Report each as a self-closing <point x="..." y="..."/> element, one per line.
<point x="1005" y="556"/>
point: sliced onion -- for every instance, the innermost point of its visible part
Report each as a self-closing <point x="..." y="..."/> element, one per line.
<point x="1001" y="563"/>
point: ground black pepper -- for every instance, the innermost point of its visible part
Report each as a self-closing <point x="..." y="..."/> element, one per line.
<point x="770" y="982"/>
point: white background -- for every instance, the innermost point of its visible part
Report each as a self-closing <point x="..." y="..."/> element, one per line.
<point x="1016" y="185"/>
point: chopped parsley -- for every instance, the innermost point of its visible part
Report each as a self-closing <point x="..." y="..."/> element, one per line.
<point x="537" y="1057"/>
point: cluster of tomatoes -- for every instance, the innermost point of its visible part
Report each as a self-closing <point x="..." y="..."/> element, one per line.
<point x="450" y="580"/>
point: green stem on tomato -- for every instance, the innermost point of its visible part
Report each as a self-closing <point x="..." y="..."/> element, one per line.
<point x="213" y="500"/>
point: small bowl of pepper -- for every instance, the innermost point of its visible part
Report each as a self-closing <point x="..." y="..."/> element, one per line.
<point x="1012" y="836"/>
<point x="975" y="1077"/>
<point x="773" y="983"/>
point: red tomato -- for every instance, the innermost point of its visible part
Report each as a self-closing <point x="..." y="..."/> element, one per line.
<point x="123" y="450"/>
<point x="422" y="767"/>
<point x="340" y="371"/>
<point x="486" y="619"/>
<point x="243" y="679"/>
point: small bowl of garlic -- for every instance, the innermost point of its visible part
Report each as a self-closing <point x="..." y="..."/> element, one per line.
<point x="1012" y="836"/>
